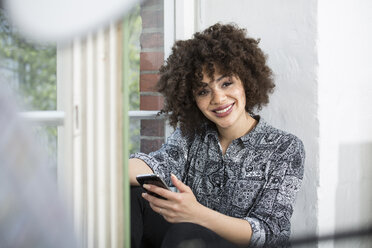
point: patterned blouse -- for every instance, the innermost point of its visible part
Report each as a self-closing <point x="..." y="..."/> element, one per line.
<point x="256" y="179"/>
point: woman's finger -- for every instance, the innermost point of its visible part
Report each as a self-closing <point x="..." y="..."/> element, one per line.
<point x="159" y="191"/>
<point x="159" y="210"/>
<point x="157" y="202"/>
<point x="179" y="184"/>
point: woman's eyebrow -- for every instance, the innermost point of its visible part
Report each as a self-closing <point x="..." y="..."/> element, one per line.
<point x="220" y="78"/>
<point x="204" y="84"/>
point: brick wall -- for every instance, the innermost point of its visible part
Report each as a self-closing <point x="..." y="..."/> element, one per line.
<point x="151" y="58"/>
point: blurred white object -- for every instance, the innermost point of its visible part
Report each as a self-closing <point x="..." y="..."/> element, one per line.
<point x="62" y="20"/>
<point x="32" y="213"/>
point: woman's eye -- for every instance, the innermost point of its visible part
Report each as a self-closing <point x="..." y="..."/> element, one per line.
<point x="202" y="92"/>
<point x="225" y="84"/>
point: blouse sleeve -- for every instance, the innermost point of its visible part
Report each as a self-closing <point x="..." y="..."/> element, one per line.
<point x="170" y="158"/>
<point x="270" y="216"/>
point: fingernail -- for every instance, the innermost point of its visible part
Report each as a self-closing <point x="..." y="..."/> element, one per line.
<point x="174" y="176"/>
<point x="146" y="186"/>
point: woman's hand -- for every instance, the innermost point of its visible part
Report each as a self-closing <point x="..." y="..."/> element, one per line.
<point x="183" y="207"/>
<point x="179" y="207"/>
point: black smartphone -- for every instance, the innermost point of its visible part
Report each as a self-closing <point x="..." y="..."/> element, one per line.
<point x="154" y="180"/>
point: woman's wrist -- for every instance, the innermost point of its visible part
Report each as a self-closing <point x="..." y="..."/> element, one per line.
<point x="203" y="214"/>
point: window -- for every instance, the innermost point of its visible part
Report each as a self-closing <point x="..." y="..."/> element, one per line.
<point x="30" y="70"/>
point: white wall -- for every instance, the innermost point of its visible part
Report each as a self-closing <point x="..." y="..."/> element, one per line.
<point x="288" y="32"/>
<point x="345" y="113"/>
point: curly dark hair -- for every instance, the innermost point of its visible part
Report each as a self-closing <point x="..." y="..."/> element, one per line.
<point x="225" y="48"/>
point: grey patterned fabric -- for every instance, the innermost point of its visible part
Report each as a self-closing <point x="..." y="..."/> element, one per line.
<point x="257" y="179"/>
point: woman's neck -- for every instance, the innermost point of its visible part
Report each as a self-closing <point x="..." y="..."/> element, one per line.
<point x="227" y="135"/>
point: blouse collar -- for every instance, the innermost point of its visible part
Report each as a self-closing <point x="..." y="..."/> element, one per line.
<point x="260" y="126"/>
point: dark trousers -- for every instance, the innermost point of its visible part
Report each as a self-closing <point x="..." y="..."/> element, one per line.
<point x="149" y="229"/>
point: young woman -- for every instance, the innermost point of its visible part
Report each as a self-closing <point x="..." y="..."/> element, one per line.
<point x="237" y="176"/>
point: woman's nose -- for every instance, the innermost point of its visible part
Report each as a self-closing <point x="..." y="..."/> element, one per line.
<point x="218" y="96"/>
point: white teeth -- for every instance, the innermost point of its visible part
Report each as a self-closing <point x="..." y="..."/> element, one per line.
<point x="224" y="110"/>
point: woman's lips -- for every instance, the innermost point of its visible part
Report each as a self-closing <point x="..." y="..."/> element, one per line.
<point x="223" y="111"/>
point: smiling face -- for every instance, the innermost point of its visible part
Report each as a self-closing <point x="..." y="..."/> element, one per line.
<point x="222" y="101"/>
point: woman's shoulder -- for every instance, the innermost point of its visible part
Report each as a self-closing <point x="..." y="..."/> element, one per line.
<point x="177" y="137"/>
<point x="283" y="145"/>
<point x="205" y="129"/>
<point x="266" y="134"/>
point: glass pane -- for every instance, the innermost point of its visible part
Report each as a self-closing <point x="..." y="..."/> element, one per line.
<point x="135" y="25"/>
<point x="27" y="68"/>
<point x="146" y="52"/>
<point x="48" y="140"/>
<point x="134" y="132"/>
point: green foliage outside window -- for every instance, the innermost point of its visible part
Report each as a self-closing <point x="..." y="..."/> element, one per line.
<point x="30" y="70"/>
<point x="135" y="24"/>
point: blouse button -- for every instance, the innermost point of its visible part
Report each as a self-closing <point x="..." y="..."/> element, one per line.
<point x="218" y="183"/>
